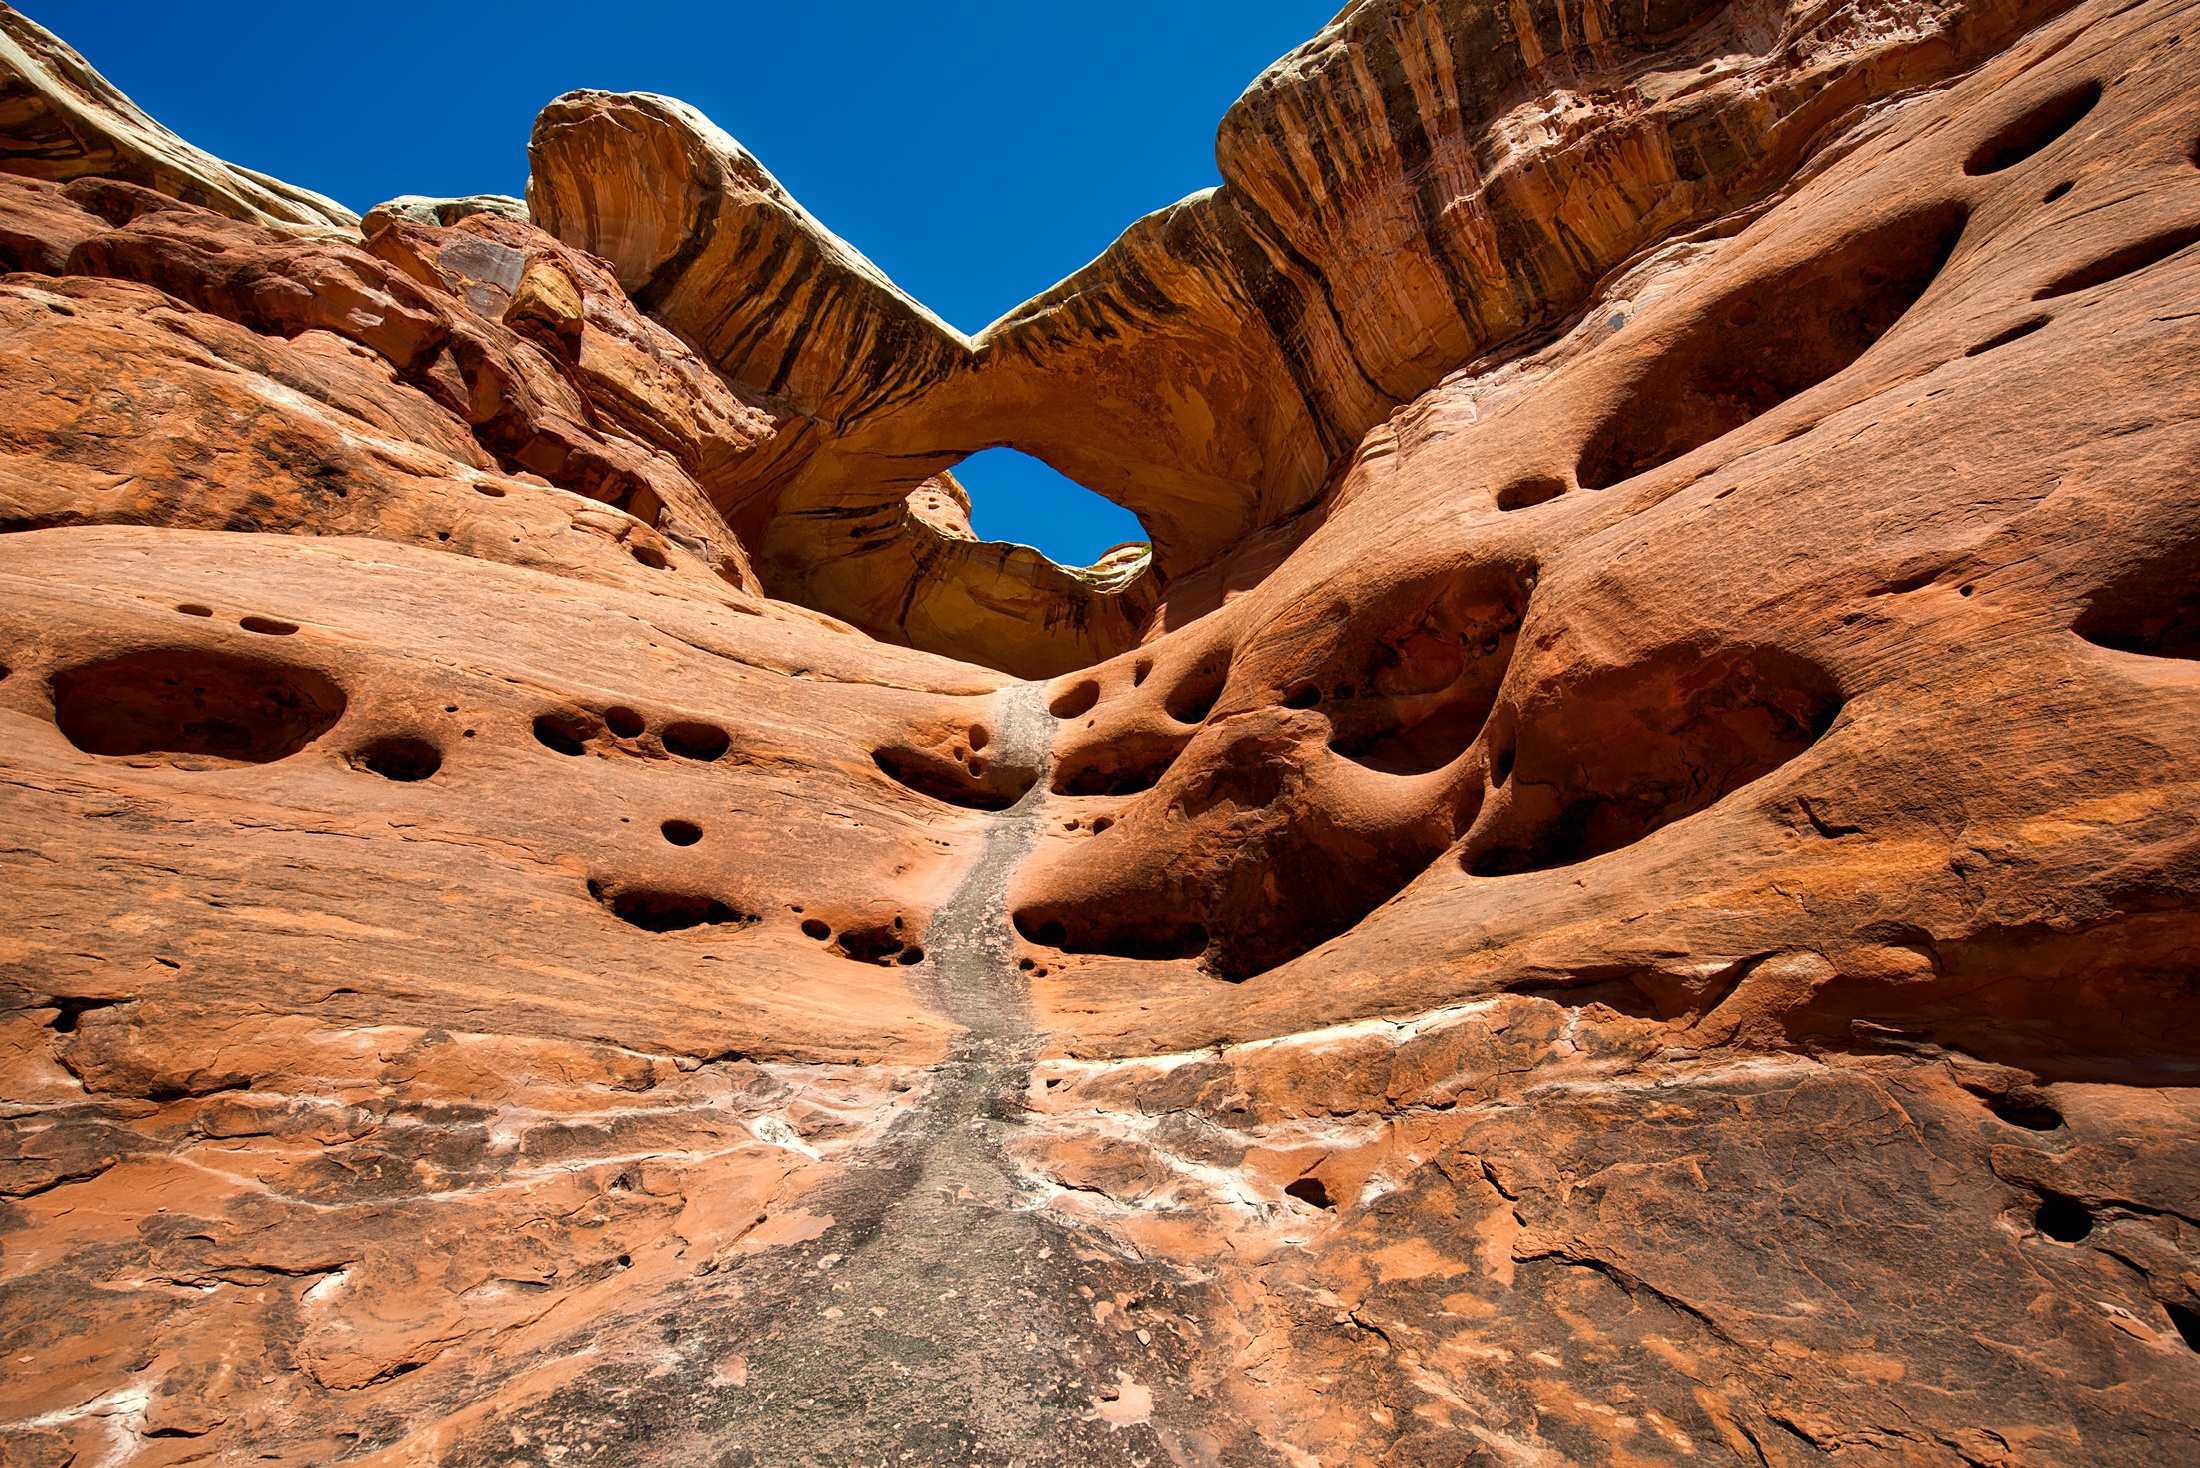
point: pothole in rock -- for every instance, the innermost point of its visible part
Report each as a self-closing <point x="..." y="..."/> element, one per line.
<point x="2128" y="260"/>
<point x="1642" y="747"/>
<point x="666" y="910"/>
<point x="960" y="774"/>
<point x="1262" y="873"/>
<point x="2153" y="609"/>
<point x="2032" y="130"/>
<point x="1769" y="342"/>
<point x="878" y="943"/>
<point x="398" y="757"/>
<point x="191" y="701"/>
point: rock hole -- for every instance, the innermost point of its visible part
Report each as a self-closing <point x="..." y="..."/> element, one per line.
<point x="1075" y="700"/>
<point x="977" y="787"/>
<point x="1139" y="670"/>
<point x="681" y="833"/>
<point x="183" y="701"/>
<point x="1622" y="996"/>
<point x="2022" y="1106"/>
<point x="270" y="626"/>
<point x="1194" y="696"/>
<point x="624" y="722"/>
<point x="878" y="943"/>
<point x="910" y="956"/>
<point x="1311" y="1190"/>
<point x="2004" y="337"/>
<point x="2032" y="130"/>
<point x="1101" y="823"/>
<point x="565" y="731"/>
<point x="1305" y="697"/>
<point x="2187" y="1323"/>
<point x="979" y="738"/>
<point x="2117" y="263"/>
<point x="493" y="491"/>
<point x="399" y="758"/>
<point x="193" y="609"/>
<point x="1642" y="747"/>
<point x="1152" y="936"/>
<point x="693" y="739"/>
<point x="1535" y="490"/>
<point x="2153" y="609"/>
<point x="1720" y="372"/>
<point x="816" y="928"/>
<point x="2063" y="1219"/>
<point x="1433" y="674"/>
<point x="650" y="556"/>
<point x="2056" y="192"/>
<point x="656" y="910"/>
<point x="1129" y="765"/>
<point x="74" y="1009"/>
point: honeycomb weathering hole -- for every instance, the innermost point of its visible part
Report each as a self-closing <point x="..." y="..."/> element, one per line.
<point x="2129" y="260"/>
<point x="2153" y="609"/>
<point x="624" y="722"/>
<point x="1649" y="745"/>
<point x="1431" y="679"/>
<point x="1127" y="765"/>
<point x="1767" y="343"/>
<point x="693" y="739"/>
<point x="398" y="758"/>
<point x="1537" y="489"/>
<point x="681" y="833"/>
<point x="2033" y="130"/>
<point x="565" y="731"/>
<point x="658" y="910"/>
<point x="929" y="773"/>
<point x="1152" y="936"/>
<point x="1075" y="700"/>
<point x="190" y="701"/>
<point x="1195" y="693"/>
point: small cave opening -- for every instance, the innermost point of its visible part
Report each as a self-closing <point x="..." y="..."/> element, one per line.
<point x="974" y="784"/>
<point x="2063" y="1219"/>
<point x="1016" y="498"/>
<point x="1311" y="1190"/>
<point x="662" y="910"/>
<point x="399" y="757"/>
<point x="693" y="739"/>
<point x="2032" y="130"/>
<point x="194" y="701"/>
<point x="1672" y="735"/>
<point x="2128" y="260"/>
<point x="1769" y="341"/>
<point x="567" y="731"/>
<point x="2152" y="609"/>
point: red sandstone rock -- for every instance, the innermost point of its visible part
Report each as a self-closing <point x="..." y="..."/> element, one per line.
<point x="1626" y="895"/>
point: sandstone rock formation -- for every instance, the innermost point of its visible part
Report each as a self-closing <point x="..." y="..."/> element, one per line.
<point x="1622" y="887"/>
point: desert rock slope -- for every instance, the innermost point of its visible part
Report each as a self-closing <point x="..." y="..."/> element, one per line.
<point x="1619" y="884"/>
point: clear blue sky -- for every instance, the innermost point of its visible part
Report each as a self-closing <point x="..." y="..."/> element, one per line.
<point x="978" y="150"/>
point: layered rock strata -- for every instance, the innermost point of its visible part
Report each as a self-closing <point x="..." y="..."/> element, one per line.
<point x="1626" y="892"/>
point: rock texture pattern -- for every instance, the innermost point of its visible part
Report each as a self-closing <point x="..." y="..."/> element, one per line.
<point x="1623" y="886"/>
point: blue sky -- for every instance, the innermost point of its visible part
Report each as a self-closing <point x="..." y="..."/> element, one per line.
<point x="978" y="151"/>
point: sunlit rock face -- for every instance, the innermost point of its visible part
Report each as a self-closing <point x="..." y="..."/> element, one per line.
<point x="1619" y="887"/>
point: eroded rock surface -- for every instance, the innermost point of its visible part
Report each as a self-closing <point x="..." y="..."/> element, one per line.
<point x="1620" y="889"/>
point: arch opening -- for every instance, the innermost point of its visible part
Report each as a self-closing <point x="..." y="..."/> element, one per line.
<point x="1017" y="498"/>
